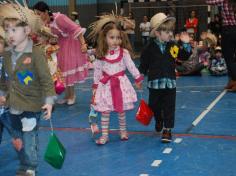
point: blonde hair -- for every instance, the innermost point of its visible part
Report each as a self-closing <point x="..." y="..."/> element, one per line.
<point x="13" y="21"/>
<point x="102" y="47"/>
<point x="168" y="25"/>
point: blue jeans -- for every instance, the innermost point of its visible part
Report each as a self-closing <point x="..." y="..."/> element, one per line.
<point x="6" y="123"/>
<point x="28" y="155"/>
<point x="145" y="40"/>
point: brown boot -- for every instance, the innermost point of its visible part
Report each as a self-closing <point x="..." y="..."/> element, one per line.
<point x="232" y="89"/>
<point x="230" y="84"/>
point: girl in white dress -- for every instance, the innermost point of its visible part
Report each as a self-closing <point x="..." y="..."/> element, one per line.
<point x="113" y="90"/>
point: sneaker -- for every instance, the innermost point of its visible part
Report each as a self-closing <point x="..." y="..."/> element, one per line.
<point x="25" y="173"/>
<point x="232" y="89"/>
<point x="102" y="140"/>
<point x="166" y="136"/>
<point x="124" y="136"/>
<point x="230" y="84"/>
<point x="159" y="126"/>
<point x="71" y="101"/>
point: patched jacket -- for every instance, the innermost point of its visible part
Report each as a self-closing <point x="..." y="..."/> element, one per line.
<point x="28" y="83"/>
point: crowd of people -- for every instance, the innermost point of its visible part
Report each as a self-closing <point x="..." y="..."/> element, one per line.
<point x="43" y="53"/>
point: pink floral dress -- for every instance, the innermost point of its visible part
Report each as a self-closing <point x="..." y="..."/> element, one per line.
<point x="114" y="90"/>
<point x="71" y="61"/>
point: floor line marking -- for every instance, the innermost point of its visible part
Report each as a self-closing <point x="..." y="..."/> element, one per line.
<point x="156" y="163"/>
<point x="203" y="114"/>
<point x="195" y="91"/>
<point x="178" y="140"/>
<point x="148" y="133"/>
<point x="200" y="86"/>
<point x="167" y="151"/>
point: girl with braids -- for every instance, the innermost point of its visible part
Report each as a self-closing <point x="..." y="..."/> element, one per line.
<point x="113" y="90"/>
<point x="72" y="57"/>
<point x="228" y="9"/>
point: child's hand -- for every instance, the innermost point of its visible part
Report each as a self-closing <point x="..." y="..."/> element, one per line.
<point x="17" y="143"/>
<point x="139" y="85"/>
<point x="2" y="100"/>
<point x="184" y="37"/>
<point x="47" y="111"/>
<point x="84" y="48"/>
<point x="93" y="96"/>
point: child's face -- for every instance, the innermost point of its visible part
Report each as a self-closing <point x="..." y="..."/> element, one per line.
<point x="113" y="38"/>
<point x="218" y="54"/>
<point x="16" y="34"/>
<point x="164" y="36"/>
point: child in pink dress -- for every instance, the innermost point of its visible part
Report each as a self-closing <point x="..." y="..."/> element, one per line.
<point x="113" y="90"/>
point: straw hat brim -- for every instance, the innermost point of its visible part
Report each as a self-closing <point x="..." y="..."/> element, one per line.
<point x="47" y="32"/>
<point x="2" y="32"/>
<point x="152" y="33"/>
<point x="74" y="13"/>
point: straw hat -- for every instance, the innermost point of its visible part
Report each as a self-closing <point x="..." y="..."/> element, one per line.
<point x="2" y="32"/>
<point x="74" y="13"/>
<point x="46" y="31"/>
<point x="157" y="20"/>
<point x="218" y="48"/>
<point x="14" y="9"/>
<point x="103" y="20"/>
<point x="211" y="38"/>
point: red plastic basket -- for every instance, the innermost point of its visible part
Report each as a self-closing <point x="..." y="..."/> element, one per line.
<point x="144" y="114"/>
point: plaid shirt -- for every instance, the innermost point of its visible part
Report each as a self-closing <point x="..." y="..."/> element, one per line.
<point x="227" y="12"/>
<point x="163" y="83"/>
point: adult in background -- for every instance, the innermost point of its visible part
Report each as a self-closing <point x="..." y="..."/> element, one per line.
<point x="130" y="27"/>
<point x="228" y="41"/>
<point x="145" y="28"/>
<point x="75" y="17"/>
<point x="72" y="57"/>
<point x="191" y="24"/>
<point x="216" y="26"/>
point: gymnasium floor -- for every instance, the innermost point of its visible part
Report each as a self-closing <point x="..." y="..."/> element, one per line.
<point x="204" y="141"/>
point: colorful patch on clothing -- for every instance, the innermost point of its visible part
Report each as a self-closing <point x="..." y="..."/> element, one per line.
<point x="174" y="50"/>
<point x="27" y="60"/>
<point x="25" y="77"/>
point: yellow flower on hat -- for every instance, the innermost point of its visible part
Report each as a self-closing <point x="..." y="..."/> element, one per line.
<point x="174" y="50"/>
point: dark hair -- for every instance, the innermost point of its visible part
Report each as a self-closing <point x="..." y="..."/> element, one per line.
<point x="233" y="4"/>
<point x="42" y="7"/>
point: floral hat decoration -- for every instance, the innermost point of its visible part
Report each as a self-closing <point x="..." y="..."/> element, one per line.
<point x="103" y="20"/>
<point x="157" y="20"/>
<point x="10" y="9"/>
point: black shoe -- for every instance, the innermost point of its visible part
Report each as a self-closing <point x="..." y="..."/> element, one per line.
<point x="20" y="172"/>
<point x="159" y="126"/>
<point x="166" y="136"/>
